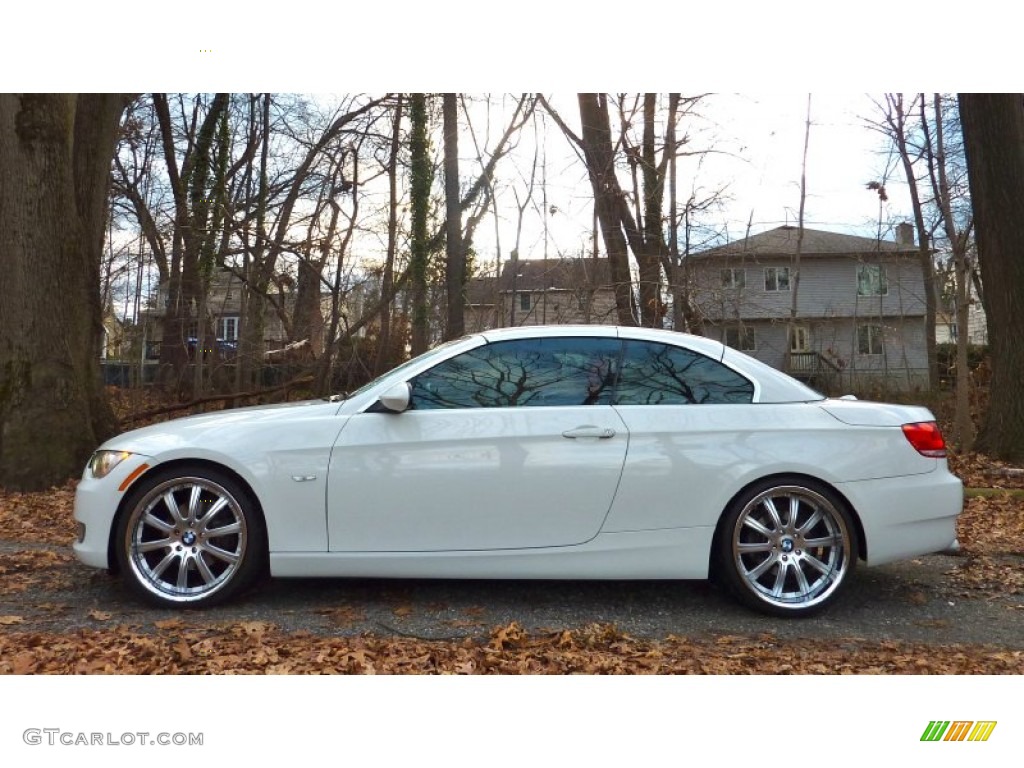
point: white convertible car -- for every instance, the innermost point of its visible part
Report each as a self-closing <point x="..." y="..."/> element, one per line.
<point x="559" y="452"/>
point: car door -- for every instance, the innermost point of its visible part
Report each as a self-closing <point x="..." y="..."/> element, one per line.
<point x="513" y="444"/>
<point x="689" y="418"/>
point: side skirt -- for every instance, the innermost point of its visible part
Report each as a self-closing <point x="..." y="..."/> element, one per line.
<point x="674" y="553"/>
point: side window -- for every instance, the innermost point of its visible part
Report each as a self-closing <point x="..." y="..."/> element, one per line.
<point x="659" y="374"/>
<point x="522" y="372"/>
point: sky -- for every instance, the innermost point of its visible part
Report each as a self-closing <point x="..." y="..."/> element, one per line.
<point x="755" y="143"/>
<point x="843" y="156"/>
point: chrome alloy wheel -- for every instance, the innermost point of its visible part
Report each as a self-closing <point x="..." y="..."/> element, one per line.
<point x="791" y="547"/>
<point x="186" y="539"/>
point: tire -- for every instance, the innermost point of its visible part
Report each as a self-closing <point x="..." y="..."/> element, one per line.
<point x="190" y="537"/>
<point x="787" y="546"/>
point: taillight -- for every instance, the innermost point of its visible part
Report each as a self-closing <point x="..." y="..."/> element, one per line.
<point x="926" y="437"/>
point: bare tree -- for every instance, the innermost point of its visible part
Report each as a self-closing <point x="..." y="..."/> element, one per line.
<point x="922" y="135"/>
<point x="895" y="123"/>
<point x="422" y="177"/>
<point x="599" y="151"/>
<point x="455" y="262"/>
<point x="639" y="230"/>
<point x="384" y="361"/>
<point x="187" y="276"/>
<point x="958" y="237"/>
<point x="795" y="278"/>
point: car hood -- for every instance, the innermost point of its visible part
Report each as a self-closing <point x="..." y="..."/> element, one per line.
<point x="863" y="413"/>
<point x="210" y="428"/>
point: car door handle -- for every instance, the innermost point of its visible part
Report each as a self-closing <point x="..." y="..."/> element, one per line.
<point x="588" y="430"/>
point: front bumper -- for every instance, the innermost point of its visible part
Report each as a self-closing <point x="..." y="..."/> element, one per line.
<point x="96" y="504"/>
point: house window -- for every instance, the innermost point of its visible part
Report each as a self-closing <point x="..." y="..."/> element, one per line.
<point x="734" y="278"/>
<point x="776" y="278"/>
<point x="227" y="328"/>
<point x="524" y="302"/>
<point x="871" y="280"/>
<point x="801" y="339"/>
<point x="743" y="339"/>
<point x="869" y="339"/>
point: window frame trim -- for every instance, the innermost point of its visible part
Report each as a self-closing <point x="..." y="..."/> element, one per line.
<point x="221" y="327"/>
<point x="753" y="335"/>
<point x="883" y="280"/>
<point x="879" y="337"/>
<point x="733" y="285"/>
<point x="776" y="289"/>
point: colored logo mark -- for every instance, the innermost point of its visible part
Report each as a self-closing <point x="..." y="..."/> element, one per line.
<point x="958" y="730"/>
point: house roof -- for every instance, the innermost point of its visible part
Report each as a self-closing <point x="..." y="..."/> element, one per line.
<point x="558" y="274"/>
<point x="481" y="291"/>
<point x="782" y="241"/>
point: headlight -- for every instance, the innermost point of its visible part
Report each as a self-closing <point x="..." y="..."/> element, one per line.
<point x="102" y="463"/>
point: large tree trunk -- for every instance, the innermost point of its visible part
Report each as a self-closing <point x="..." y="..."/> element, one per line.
<point x="963" y="425"/>
<point x="55" y="156"/>
<point x="596" y="137"/>
<point x="650" y="257"/>
<point x="993" y="131"/>
<point x="896" y="117"/>
<point x="455" y="271"/>
<point x="420" y="205"/>
<point x="308" y="316"/>
<point x="384" y="361"/>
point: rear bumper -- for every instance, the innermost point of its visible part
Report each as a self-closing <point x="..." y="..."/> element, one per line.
<point x="907" y="516"/>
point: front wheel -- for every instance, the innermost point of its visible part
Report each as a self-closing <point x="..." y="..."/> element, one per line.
<point x="787" y="547"/>
<point x="189" y="537"/>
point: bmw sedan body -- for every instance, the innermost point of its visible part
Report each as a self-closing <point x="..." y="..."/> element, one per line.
<point x="556" y="452"/>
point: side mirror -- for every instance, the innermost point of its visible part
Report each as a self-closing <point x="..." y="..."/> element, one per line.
<point x="395" y="399"/>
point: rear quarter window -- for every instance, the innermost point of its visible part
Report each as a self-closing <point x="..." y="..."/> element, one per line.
<point x="662" y="374"/>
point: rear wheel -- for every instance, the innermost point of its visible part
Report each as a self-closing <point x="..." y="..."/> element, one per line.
<point x="190" y="537"/>
<point x="787" y="547"/>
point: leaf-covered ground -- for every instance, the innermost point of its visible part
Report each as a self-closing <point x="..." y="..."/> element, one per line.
<point x="979" y="471"/>
<point x="260" y="648"/>
<point x="37" y="563"/>
<point x="43" y="518"/>
<point x="991" y="533"/>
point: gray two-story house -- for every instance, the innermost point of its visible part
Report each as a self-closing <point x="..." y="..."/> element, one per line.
<point x="860" y="309"/>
